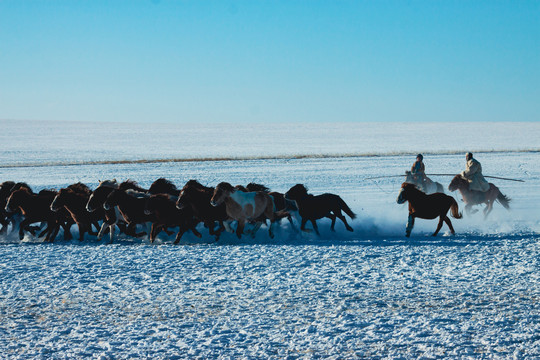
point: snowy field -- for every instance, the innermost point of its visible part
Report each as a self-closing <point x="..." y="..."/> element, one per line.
<point x="367" y="294"/>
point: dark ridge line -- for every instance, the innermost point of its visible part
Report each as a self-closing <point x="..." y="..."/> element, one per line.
<point x="252" y="158"/>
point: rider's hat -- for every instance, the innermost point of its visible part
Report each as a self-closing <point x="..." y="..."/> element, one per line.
<point x="420" y="156"/>
<point x="469" y="155"/>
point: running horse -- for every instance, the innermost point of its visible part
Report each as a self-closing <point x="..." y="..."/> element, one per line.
<point x="472" y="197"/>
<point x="255" y="206"/>
<point x="428" y="207"/>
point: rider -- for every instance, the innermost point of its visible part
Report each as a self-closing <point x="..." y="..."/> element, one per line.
<point x="418" y="172"/>
<point x="473" y="174"/>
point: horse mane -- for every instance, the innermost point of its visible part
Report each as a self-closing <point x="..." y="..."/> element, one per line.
<point x="197" y="185"/>
<point x="113" y="184"/>
<point x="257" y="187"/>
<point x="162" y="186"/>
<point x="131" y="185"/>
<point x="48" y="192"/>
<point x="241" y="188"/>
<point x="225" y="186"/>
<point x="21" y="185"/>
<point x="80" y="188"/>
<point x="137" y="194"/>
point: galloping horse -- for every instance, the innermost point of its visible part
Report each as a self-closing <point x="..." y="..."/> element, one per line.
<point x="74" y="199"/>
<point x="163" y="206"/>
<point x="315" y="207"/>
<point x="430" y="187"/>
<point x="471" y="197"/>
<point x="197" y="197"/>
<point x="245" y="207"/>
<point x="427" y="207"/>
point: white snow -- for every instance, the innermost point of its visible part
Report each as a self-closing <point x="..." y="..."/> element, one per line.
<point x="368" y="294"/>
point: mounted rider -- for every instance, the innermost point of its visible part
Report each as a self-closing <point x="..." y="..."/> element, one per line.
<point x="473" y="174"/>
<point x="418" y="172"/>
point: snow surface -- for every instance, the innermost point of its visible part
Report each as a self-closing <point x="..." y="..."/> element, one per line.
<point x="368" y="294"/>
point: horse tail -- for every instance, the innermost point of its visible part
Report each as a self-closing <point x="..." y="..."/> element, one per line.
<point x="504" y="200"/>
<point x="346" y="208"/>
<point x="455" y="210"/>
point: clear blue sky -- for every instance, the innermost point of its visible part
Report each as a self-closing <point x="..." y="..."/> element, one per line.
<point x="270" y="61"/>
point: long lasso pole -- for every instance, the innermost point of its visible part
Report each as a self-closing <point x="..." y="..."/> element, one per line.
<point x="486" y="176"/>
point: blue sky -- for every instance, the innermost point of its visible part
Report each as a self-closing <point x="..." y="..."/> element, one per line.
<point x="270" y="61"/>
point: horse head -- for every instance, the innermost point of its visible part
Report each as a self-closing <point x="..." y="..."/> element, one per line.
<point x="457" y="182"/>
<point x="404" y="193"/>
<point x="298" y="191"/>
<point x="59" y="200"/>
<point x="222" y="191"/>
<point x="15" y="199"/>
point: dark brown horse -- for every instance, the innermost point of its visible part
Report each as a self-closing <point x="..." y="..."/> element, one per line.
<point x="113" y="217"/>
<point x="311" y="208"/>
<point x="197" y="197"/>
<point x="163" y="207"/>
<point x="74" y="199"/>
<point x="245" y="207"/>
<point x="427" y="207"/>
<point x="131" y="205"/>
<point x="35" y="208"/>
<point x="471" y="197"/>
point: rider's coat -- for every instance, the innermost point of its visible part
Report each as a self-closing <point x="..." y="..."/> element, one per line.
<point x="473" y="173"/>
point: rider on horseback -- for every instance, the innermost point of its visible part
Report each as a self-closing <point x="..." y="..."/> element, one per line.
<point x="418" y="172"/>
<point x="473" y="174"/>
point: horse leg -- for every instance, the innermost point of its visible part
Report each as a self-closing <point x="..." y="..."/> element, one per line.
<point x="153" y="232"/>
<point x="54" y="231"/>
<point x="333" y="218"/>
<point x="410" y="225"/>
<point x="303" y="226"/>
<point x="240" y="228"/>
<point x="256" y="228"/>
<point x="102" y="230"/>
<point x="67" y="230"/>
<point x="315" y="227"/>
<point x="488" y="208"/>
<point x="22" y="225"/>
<point x="181" y="232"/>
<point x="111" y="232"/>
<point x="342" y="218"/>
<point x="439" y="226"/>
<point x="82" y="230"/>
<point x="449" y="223"/>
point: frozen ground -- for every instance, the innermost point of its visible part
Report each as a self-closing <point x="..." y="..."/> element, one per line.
<point x="367" y="294"/>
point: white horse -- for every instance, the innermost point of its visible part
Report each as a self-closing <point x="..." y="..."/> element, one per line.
<point x="429" y="187"/>
<point x="255" y="206"/>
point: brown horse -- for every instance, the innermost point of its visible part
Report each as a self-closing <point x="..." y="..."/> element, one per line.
<point x="113" y="217"/>
<point x="131" y="204"/>
<point x="245" y="207"/>
<point x="74" y="199"/>
<point x="428" y="207"/>
<point x="471" y="197"/>
<point x="163" y="207"/>
<point x="35" y="208"/>
<point x="311" y="208"/>
<point x="197" y="197"/>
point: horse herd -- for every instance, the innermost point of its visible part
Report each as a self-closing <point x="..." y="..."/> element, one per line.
<point x="162" y="207"/>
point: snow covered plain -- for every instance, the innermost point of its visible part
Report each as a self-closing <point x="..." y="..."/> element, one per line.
<point x="368" y="294"/>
